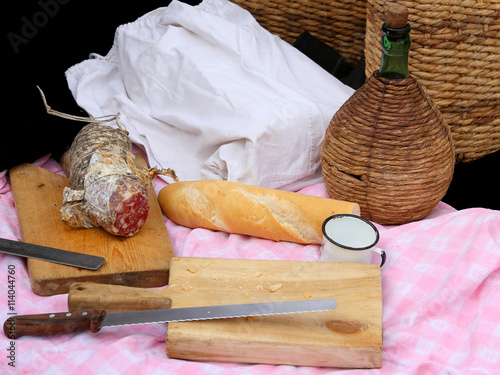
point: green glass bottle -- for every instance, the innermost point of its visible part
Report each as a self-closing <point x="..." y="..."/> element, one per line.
<point x="395" y="44"/>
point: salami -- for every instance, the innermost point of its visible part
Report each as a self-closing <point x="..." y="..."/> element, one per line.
<point x="106" y="189"/>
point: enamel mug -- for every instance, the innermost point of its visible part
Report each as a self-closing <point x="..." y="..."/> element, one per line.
<point x="349" y="238"/>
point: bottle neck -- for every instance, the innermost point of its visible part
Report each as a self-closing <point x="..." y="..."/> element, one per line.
<point x="395" y="47"/>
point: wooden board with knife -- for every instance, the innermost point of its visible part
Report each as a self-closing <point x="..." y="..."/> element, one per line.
<point x="141" y="260"/>
<point x="349" y="336"/>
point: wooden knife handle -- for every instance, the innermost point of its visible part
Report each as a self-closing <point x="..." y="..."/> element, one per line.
<point x="114" y="298"/>
<point x="53" y="324"/>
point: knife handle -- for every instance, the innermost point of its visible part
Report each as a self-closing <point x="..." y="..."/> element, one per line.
<point x="53" y="324"/>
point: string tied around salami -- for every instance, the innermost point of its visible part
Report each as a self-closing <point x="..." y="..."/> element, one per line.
<point x="106" y="188"/>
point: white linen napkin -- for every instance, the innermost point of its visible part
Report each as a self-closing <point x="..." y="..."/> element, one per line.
<point x="208" y="92"/>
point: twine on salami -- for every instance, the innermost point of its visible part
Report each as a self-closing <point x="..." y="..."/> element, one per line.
<point x="97" y="120"/>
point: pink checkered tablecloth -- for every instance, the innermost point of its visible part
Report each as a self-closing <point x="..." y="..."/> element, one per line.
<point x="441" y="298"/>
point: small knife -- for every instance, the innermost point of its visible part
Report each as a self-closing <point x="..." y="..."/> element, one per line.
<point x="59" y="323"/>
<point x="50" y="254"/>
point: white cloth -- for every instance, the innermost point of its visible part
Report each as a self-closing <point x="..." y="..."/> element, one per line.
<point x="208" y="92"/>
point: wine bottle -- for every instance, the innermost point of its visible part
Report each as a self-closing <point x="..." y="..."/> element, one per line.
<point x="396" y="43"/>
<point x="388" y="148"/>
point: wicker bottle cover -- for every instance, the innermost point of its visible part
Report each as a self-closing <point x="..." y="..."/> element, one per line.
<point x="388" y="147"/>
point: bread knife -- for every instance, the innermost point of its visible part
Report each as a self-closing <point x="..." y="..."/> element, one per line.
<point x="61" y="323"/>
<point x="50" y="254"/>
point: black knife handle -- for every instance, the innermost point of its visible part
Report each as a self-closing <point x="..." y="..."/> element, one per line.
<point x="53" y="324"/>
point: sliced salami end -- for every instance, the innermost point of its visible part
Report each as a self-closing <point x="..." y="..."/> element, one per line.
<point x="118" y="204"/>
<point x="131" y="214"/>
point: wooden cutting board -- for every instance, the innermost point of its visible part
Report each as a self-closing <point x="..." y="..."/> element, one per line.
<point x="141" y="261"/>
<point x="349" y="336"/>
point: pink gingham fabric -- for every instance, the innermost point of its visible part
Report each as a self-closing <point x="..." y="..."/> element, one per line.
<point x="441" y="298"/>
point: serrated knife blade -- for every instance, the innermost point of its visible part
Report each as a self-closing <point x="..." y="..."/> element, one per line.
<point x="184" y="314"/>
<point x="94" y="320"/>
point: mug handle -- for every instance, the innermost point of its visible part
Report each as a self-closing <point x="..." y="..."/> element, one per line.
<point x="381" y="253"/>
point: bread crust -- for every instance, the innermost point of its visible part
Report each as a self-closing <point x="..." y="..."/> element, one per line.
<point x="232" y="207"/>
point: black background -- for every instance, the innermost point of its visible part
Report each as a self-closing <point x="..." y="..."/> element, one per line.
<point x="41" y="39"/>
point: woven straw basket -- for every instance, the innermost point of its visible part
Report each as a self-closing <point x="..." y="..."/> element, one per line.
<point x="389" y="149"/>
<point x="339" y="23"/>
<point x="455" y="53"/>
<point x="455" y="56"/>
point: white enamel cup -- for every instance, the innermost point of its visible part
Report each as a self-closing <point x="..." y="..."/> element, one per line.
<point x="349" y="238"/>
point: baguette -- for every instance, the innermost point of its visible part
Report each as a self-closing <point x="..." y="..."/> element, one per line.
<point x="251" y="210"/>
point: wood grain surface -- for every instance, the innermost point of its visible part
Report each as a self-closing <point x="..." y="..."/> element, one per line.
<point x="349" y="336"/>
<point x="141" y="260"/>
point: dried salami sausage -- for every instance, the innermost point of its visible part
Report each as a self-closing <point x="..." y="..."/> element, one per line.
<point x="106" y="189"/>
